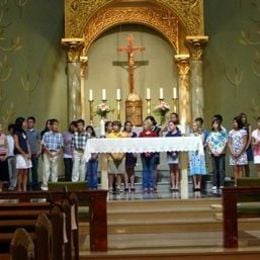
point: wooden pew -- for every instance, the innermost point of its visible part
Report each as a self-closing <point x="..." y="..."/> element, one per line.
<point x="29" y="212"/>
<point x="231" y="196"/>
<point x="44" y="238"/>
<point x="96" y="200"/>
<point x="22" y="246"/>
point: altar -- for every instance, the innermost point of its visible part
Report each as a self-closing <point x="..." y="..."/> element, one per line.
<point x="105" y="146"/>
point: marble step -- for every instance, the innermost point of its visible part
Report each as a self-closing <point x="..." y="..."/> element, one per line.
<point x="172" y="226"/>
<point x="161" y="204"/>
<point x="163" y="214"/>
<point x="173" y="240"/>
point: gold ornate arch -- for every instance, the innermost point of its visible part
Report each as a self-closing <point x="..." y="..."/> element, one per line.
<point x="175" y="19"/>
<point x="159" y="19"/>
<point x="77" y="12"/>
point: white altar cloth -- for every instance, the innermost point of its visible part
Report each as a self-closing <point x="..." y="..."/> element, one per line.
<point x="142" y="145"/>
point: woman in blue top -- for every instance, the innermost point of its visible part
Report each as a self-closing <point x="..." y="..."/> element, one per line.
<point x="173" y="157"/>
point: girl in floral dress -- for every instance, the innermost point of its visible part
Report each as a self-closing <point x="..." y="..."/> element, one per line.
<point x="256" y="146"/>
<point x="237" y="141"/>
<point x="197" y="161"/>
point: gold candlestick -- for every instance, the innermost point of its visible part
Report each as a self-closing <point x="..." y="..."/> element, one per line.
<point x="148" y="106"/>
<point x="118" y="109"/>
<point x="91" y="112"/>
<point x="175" y="105"/>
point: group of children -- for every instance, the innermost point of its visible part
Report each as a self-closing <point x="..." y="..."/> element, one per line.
<point x="21" y="149"/>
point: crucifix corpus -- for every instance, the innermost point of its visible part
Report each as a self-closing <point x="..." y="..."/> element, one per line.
<point x="133" y="104"/>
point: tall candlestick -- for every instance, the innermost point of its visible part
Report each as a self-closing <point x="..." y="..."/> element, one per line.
<point x="148" y="94"/>
<point x="174" y="93"/>
<point x="118" y="94"/>
<point x="161" y="93"/>
<point x="91" y="111"/>
<point x="104" y="94"/>
<point x="90" y="97"/>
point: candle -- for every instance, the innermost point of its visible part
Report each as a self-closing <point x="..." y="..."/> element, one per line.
<point x="104" y="94"/>
<point x="90" y="98"/>
<point x="161" y="93"/>
<point x="174" y="93"/>
<point x="102" y="128"/>
<point x="118" y="94"/>
<point x="148" y="94"/>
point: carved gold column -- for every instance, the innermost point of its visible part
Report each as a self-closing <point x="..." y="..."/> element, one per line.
<point x="73" y="47"/>
<point x="83" y="68"/>
<point x="183" y="65"/>
<point x="196" y="45"/>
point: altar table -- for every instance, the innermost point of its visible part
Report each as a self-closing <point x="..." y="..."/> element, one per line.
<point x="142" y="145"/>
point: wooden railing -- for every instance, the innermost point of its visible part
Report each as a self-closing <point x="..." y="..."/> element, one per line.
<point x="231" y="196"/>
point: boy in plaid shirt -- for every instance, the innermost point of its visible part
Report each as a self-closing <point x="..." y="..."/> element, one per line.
<point x="52" y="142"/>
<point x="79" y="141"/>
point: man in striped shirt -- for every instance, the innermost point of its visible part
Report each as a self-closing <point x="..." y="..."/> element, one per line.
<point x="79" y="141"/>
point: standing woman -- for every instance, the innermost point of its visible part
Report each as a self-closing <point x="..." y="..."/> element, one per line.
<point x="130" y="160"/>
<point x="92" y="164"/>
<point x="4" y="151"/>
<point x="197" y="161"/>
<point x="256" y="146"/>
<point x="148" y="159"/>
<point x="249" y="151"/>
<point x="237" y="145"/>
<point x="217" y="143"/>
<point x="22" y="152"/>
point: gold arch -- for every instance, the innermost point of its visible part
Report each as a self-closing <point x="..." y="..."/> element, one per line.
<point x="189" y="12"/>
<point x="158" y="18"/>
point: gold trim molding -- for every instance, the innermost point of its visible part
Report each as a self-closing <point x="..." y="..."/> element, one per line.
<point x="156" y="17"/>
<point x="77" y="12"/>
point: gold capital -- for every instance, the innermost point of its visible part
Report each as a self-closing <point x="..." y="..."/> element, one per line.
<point x="83" y="65"/>
<point x="74" y="47"/>
<point x="183" y="65"/>
<point x="196" y="45"/>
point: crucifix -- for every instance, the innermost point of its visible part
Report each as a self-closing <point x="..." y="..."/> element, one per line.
<point x="131" y="65"/>
<point x="134" y="105"/>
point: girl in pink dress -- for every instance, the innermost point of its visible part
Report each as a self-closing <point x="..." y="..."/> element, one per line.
<point x="256" y="146"/>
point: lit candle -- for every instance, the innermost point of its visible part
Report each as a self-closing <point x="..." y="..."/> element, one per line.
<point x="104" y="94"/>
<point x="90" y="98"/>
<point x="118" y="94"/>
<point x="174" y="93"/>
<point x="161" y="93"/>
<point x="148" y="94"/>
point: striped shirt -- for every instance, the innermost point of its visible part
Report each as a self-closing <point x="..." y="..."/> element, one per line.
<point x="52" y="140"/>
<point x="79" y="140"/>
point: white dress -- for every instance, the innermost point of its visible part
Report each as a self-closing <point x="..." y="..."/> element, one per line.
<point x="256" y="148"/>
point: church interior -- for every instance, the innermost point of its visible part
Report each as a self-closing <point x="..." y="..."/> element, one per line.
<point x="79" y="79"/>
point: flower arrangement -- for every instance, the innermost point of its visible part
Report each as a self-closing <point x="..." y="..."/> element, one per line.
<point x="161" y="110"/>
<point x="103" y="109"/>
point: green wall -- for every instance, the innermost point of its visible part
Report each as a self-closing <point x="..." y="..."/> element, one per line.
<point x="228" y="58"/>
<point x="41" y="62"/>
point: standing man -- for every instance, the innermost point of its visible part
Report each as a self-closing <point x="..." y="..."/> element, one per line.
<point x="52" y="142"/>
<point x="34" y="139"/>
<point x="79" y="141"/>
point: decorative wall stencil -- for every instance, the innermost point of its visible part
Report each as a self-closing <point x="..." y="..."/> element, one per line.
<point x="251" y="36"/>
<point x="29" y="85"/>
<point x="6" y="69"/>
<point x="21" y="4"/>
<point x="234" y="78"/>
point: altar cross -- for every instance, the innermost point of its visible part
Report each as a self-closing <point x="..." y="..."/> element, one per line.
<point x="131" y="49"/>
